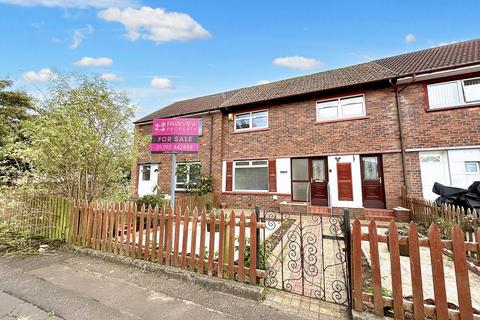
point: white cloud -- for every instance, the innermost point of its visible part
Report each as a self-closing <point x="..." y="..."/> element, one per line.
<point x="262" y="82"/>
<point x="94" y="62"/>
<point x="110" y="77"/>
<point x="161" y="83"/>
<point x="155" y="24"/>
<point x="298" y="62"/>
<point x="78" y="36"/>
<point x="42" y="75"/>
<point x="410" y="38"/>
<point x="73" y="3"/>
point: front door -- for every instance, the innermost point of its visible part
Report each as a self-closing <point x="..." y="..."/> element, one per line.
<point x="147" y="179"/>
<point x="372" y="182"/>
<point x="319" y="181"/>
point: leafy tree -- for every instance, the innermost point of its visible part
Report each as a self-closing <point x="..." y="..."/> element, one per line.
<point x="81" y="140"/>
<point x="15" y="108"/>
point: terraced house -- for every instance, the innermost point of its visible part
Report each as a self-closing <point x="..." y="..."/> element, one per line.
<point x="350" y="137"/>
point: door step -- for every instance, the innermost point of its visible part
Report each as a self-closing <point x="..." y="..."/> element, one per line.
<point x="379" y="214"/>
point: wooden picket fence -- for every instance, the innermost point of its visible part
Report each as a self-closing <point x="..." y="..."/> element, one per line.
<point x="440" y="310"/>
<point x="41" y="215"/>
<point x="171" y="238"/>
<point x="209" y="200"/>
<point x="426" y="212"/>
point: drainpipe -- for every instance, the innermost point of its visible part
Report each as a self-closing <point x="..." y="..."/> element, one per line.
<point x="211" y="143"/>
<point x="400" y="127"/>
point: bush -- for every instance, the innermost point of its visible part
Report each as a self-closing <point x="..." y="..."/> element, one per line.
<point x="152" y="200"/>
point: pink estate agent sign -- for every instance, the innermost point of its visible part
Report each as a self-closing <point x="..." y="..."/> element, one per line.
<point x="175" y="135"/>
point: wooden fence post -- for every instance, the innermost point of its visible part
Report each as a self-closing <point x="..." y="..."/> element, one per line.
<point x="416" y="272"/>
<point x="396" y="271"/>
<point x="376" y="277"/>
<point x="253" y="248"/>
<point x="461" y="274"/>
<point x="357" y="265"/>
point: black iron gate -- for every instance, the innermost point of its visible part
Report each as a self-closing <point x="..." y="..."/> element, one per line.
<point x="308" y="254"/>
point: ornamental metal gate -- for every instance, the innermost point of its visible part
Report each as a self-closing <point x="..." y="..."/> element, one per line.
<point x="308" y="254"/>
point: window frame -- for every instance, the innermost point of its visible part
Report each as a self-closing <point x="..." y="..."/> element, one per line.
<point x="461" y="94"/>
<point x="339" y="109"/>
<point x="188" y="173"/>
<point x="250" y="128"/>
<point x="477" y="165"/>
<point x="234" y="167"/>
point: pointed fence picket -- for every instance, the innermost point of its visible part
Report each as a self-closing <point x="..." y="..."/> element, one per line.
<point x="174" y="238"/>
<point x="437" y="247"/>
<point x="199" y="240"/>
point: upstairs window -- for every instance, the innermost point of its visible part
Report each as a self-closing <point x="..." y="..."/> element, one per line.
<point x="251" y="120"/>
<point x="454" y="93"/>
<point x="341" y="108"/>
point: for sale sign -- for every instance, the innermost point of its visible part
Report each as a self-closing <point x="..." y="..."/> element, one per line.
<point x="175" y="135"/>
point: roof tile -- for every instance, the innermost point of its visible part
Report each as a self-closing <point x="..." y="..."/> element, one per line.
<point x="438" y="58"/>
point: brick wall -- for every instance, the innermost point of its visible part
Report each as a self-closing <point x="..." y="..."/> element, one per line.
<point x="209" y="154"/>
<point x="293" y="131"/>
<point x="440" y="128"/>
<point x="456" y="127"/>
<point x="393" y="178"/>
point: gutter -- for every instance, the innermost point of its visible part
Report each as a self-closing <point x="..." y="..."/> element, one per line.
<point x="211" y="144"/>
<point x="139" y="123"/>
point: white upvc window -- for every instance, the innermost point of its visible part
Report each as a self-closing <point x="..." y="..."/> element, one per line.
<point x="472" y="167"/>
<point x="145" y="169"/>
<point x="185" y="177"/>
<point x="251" y="120"/>
<point x="455" y="93"/>
<point x="250" y="175"/>
<point x="341" y="108"/>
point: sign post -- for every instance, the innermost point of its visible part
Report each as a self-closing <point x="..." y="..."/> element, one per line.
<point x="175" y="135"/>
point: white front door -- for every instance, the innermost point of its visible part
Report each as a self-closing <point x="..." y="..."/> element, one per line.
<point x="349" y="179"/>
<point x="433" y="168"/>
<point x="147" y="179"/>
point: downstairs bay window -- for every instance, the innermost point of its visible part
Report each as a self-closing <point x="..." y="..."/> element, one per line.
<point x="250" y="175"/>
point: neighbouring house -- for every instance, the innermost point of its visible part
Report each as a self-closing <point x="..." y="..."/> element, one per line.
<point x="350" y="137"/>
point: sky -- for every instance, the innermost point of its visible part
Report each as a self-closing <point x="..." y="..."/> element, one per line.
<point x="163" y="51"/>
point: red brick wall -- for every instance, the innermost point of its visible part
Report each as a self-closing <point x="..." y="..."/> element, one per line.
<point x="393" y="178"/>
<point x="249" y="201"/>
<point x="293" y="131"/>
<point x="204" y="156"/>
<point x="456" y="127"/>
<point x="414" y="179"/>
<point x="440" y="128"/>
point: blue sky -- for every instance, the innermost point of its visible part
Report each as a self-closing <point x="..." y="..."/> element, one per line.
<point x="162" y="51"/>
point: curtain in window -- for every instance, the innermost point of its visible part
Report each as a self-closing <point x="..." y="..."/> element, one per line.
<point x="251" y="178"/>
<point x="443" y="95"/>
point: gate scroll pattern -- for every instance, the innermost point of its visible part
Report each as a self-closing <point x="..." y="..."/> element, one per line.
<point x="307" y="254"/>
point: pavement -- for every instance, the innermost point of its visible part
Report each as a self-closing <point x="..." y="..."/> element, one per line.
<point x="64" y="285"/>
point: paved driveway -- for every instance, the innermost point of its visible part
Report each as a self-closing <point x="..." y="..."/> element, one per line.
<point x="68" y="286"/>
